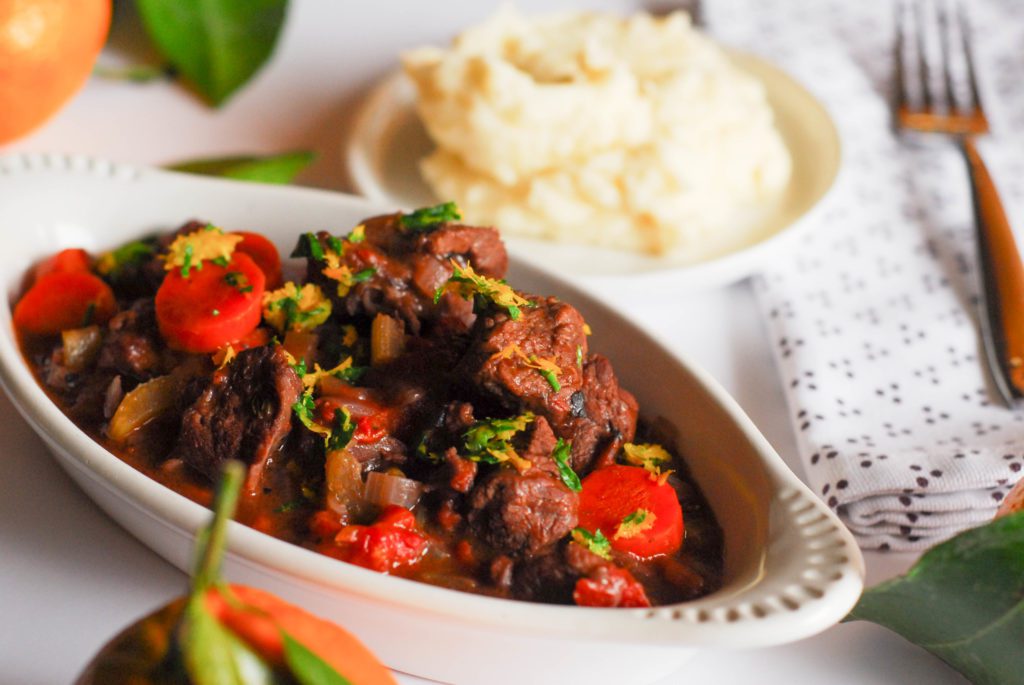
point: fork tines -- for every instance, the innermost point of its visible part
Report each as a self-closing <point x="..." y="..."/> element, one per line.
<point x="932" y="38"/>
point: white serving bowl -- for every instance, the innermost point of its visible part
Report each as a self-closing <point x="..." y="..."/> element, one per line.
<point x="791" y="568"/>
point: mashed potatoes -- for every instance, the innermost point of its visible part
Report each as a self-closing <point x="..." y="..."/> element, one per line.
<point x="631" y="133"/>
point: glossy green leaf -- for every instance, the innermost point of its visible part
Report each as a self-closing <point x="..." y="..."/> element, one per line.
<point x="273" y="169"/>
<point x="963" y="601"/>
<point x="308" y="668"/>
<point x="216" y="44"/>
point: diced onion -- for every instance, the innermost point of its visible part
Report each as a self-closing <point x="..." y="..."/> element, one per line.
<point x="344" y="483"/>
<point x="143" y="404"/>
<point x="301" y="345"/>
<point x="383" y="489"/>
<point x="81" y="346"/>
<point x="387" y="339"/>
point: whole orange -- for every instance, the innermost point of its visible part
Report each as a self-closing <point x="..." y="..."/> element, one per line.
<point x="47" y="49"/>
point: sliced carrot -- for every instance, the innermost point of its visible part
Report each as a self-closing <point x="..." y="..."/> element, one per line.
<point x="264" y="254"/>
<point x="65" y="261"/>
<point x="260" y="617"/>
<point x="210" y="307"/>
<point x="613" y="493"/>
<point x="62" y="300"/>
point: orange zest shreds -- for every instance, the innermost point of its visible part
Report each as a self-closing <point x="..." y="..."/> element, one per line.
<point x="224" y="356"/>
<point x="634" y="524"/>
<point x="189" y="251"/>
<point x="357" y="235"/>
<point x="312" y="378"/>
<point x="290" y="308"/>
<point x="350" y="335"/>
<point x="662" y="477"/>
<point x="647" y="455"/>
<point x="586" y="329"/>
<point x="468" y="284"/>
<point x="547" y="367"/>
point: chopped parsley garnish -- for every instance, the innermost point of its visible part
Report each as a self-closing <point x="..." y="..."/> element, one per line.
<point x="365" y="274"/>
<point x="489" y="441"/>
<point x="289" y="506"/>
<point x="305" y="408"/>
<point x="351" y="374"/>
<point x="215" y="312"/>
<point x="428" y="218"/>
<point x="208" y="244"/>
<point x="309" y="246"/>
<point x="299" y="367"/>
<point x="238" y="281"/>
<point x="561" y="457"/>
<point x="579" y="357"/>
<point x="342" y="430"/>
<point x="336" y="245"/>
<point x="290" y="308"/>
<point x="634" y="524"/>
<point x="357" y="235"/>
<point x="596" y="542"/>
<point x="129" y="254"/>
<point x="186" y="264"/>
<point x="483" y="291"/>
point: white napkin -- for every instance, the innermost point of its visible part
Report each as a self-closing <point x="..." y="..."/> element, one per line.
<point x="873" y="315"/>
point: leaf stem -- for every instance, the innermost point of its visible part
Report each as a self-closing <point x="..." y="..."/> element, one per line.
<point x="211" y="539"/>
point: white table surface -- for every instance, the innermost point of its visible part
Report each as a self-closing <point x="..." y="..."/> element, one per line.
<point x="70" y="578"/>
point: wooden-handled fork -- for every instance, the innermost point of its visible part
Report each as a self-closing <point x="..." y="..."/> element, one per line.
<point x="937" y="110"/>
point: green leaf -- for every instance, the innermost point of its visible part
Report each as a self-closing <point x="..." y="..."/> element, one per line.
<point x="279" y="169"/>
<point x="963" y="601"/>
<point x="308" y="668"/>
<point x="216" y="44"/>
<point x="213" y="655"/>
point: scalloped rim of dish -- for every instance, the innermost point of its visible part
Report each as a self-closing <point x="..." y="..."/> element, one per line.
<point x="807" y="128"/>
<point x="819" y="570"/>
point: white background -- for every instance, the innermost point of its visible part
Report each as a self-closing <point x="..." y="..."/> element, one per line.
<point x="70" y="578"/>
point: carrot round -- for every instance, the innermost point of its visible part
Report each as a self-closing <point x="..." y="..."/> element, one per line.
<point x="62" y="300"/>
<point x="264" y="254"/>
<point x="260" y="617"/>
<point x="212" y="306"/>
<point x="635" y="512"/>
<point x="65" y="261"/>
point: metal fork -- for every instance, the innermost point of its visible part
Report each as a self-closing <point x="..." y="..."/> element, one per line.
<point x="939" y="110"/>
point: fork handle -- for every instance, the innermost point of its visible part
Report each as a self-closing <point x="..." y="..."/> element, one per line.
<point x="1002" y="276"/>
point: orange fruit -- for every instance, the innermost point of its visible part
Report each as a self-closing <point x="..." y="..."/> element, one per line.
<point x="47" y="49"/>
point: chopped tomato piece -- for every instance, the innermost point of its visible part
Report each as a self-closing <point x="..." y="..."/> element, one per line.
<point x="610" y="586"/>
<point x="390" y="543"/>
<point x="65" y="261"/>
<point x="263" y="252"/>
<point x="325" y="524"/>
<point x="64" y="299"/>
<point x="614" y="493"/>
<point x="205" y="309"/>
<point x="367" y="430"/>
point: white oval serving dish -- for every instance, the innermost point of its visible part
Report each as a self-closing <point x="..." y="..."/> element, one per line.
<point x="792" y="569"/>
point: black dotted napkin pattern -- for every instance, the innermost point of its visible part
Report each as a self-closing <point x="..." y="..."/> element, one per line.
<point x="873" y="314"/>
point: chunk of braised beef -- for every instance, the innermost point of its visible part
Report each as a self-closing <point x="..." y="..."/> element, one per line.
<point x="132" y="345"/>
<point x="502" y="358"/>
<point x="608" y="418"/>
<point x="589" y="408"/>
<point x="401" y="270"/>
<point x="462" y="472"/>
<point x="552" y="577"/>
<point x="243" y="411"/>
<point x="524" y="514"/>
<point x="537" y="444"/>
